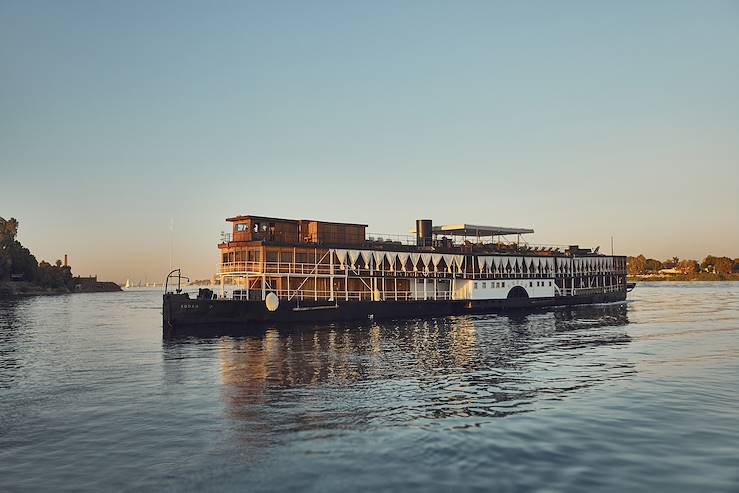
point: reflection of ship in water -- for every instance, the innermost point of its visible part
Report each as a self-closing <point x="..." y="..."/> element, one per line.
<point x="351" y="376"/>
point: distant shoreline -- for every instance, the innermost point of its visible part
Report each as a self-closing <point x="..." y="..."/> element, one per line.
<point x="700" y="277"/>
<point x="19" y="289"/>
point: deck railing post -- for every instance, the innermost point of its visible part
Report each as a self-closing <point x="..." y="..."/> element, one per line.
<point x="331" y="275"/>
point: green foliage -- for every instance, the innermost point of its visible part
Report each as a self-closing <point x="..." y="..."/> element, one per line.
<point x="17" y="259"/>
<point x="14" y="257"/>
<point x="636" y="265"/>
<point x="653" y="265"/>
<point x="670" y="263"/>
<point x="688" y="266"/>
<point x="719" y="265"/>
<point x="54" y="276"/>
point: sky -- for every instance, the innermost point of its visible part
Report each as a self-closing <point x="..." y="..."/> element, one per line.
<point x="132" y="129"/>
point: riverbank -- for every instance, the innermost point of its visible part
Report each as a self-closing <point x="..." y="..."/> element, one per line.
<point x="13" y="289"/>
<point x="701" y="276"/>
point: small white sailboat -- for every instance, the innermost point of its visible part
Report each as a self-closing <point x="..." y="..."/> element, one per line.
<point x="128" y="284"/>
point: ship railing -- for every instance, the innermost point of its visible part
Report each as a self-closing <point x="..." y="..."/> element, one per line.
<point x="458" y="241"/>
<point x="323" y="295"/>
<point x="594" y="290"/>
<point x="390" y="239"/>
<point x="324" y="269"/>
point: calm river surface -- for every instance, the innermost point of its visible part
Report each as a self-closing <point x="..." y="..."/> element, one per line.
<point x="638" y="396"/>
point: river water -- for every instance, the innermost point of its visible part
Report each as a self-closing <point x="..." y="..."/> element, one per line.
<point x="639" y="396"/>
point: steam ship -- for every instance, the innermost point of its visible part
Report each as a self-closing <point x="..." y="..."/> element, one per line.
<point x="289" y="270"/>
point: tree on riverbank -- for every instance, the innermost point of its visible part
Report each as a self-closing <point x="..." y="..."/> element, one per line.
<point x="17" y="260"/>
<point x="14" y="257"/>
<point x="54" y="276"/>
<point x="688" y="266"/>
<point x="719" y="265"/>
<point x="722" y="266"/>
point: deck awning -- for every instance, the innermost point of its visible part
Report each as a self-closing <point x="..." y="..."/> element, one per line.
<point x="476" y="230"/>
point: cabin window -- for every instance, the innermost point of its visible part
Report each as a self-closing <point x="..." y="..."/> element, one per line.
<point x="484" y="285"/>
<point x="502" y="284"/>
<point x="242" y="227"/>
<point x="301" y="258"/>
<point x="271" y="256"/>
<point x="256" y="227"/>
<point x="225" y="258"/>
<point x="475" y="286"/>
<point x="531" y="284"/>
<point x="550" y="283"/>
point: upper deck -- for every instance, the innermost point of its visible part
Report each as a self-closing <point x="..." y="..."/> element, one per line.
<point x="251" y="230"/>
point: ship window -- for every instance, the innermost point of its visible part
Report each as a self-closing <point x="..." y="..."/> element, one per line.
<point x="531" y="284"/>
<point x="225" y="258"/>
<point x="475" y="286"/>
<point x="484" y="285"/>
<point x="502" y="284"/>
<point x="271" y="256"/>
<point x="256" y="227"/>
<point x="242" y="227"/>
<point x="301" y="258"/>
<point x="550" y="283"/>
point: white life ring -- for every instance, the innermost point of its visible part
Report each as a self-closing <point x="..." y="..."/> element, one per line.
<point x="272" y="302"/>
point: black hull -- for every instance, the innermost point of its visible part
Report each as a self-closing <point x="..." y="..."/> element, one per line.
<point x="183" y="314"/>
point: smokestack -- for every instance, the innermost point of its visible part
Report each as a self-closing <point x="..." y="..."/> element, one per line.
<point x="423" y="232"/>
<point x="65" y="260"/>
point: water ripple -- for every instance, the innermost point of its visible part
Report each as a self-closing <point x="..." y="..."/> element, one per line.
<point x="627" y="396"/>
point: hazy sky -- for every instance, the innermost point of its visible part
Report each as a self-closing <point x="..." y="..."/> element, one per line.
<point x="581" y="120"/>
